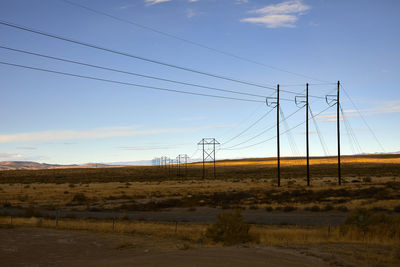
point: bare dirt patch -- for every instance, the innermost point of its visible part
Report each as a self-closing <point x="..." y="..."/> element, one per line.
<point x="35" y="246"/>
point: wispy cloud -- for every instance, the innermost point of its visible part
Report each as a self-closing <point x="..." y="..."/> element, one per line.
<point x="154" y="147"/>
<point x="384" y="108"/>
<point x="4" y="156"/>
<point x="240" y="2"/>
<point x="190" y="13"/>
<point x="10" y="156"/>
<point x="154" y="2"/>
<point x="284" y="14"/>
<point x="26" y="148"/>
<point x="96" y="133"/>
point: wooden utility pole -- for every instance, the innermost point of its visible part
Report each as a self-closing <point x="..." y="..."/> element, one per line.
<point x="307" y="140"/>
<point x="277" y="135"/>
<point x="338" y="131"/>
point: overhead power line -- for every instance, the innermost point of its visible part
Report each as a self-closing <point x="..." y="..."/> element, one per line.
<point x="129" y="55"/>
<point x="363" y="119"/>
<point x="12" y="25"/>
<point x="132" y="73"/>
<point x="249" y="127"/>
<point x="126" y="83"/>
<point x="273" y="137"/>
<point x="263" y="132"/>
<point x="188" y="41"/>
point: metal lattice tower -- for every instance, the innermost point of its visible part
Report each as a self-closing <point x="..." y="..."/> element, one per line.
<point x="208" y="146"/>
<point x="182" y="161"/>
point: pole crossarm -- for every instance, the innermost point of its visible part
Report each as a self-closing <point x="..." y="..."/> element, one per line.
<point x="331" y="100"/>
<point x="300" y="101"/>
<point x="271" y="101"/>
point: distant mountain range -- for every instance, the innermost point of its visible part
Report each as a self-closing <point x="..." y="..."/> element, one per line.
<point x="31" y="165"/>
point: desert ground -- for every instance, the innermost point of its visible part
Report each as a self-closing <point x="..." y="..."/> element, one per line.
<point x="151" y="216"/>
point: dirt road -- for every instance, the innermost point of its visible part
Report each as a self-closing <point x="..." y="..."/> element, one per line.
<point x="203" y="215"/>
<point x="44" y="247"/>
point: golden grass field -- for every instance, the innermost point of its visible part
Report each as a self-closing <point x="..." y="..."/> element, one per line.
<point x="368" y="182"/>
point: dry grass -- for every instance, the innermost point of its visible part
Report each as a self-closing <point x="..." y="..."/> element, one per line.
<point x="369" y="182"/>
<point x="283" y="235"/>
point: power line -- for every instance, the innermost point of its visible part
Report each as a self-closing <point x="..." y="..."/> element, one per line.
<point x="320" y="137"/>
<point x="126" y="83"/>
<point x="130" y="73"/>
<point x="188" y="41"/>
<point x="350" y="133"/>
<point x="248" y="128"/>
<point x="275" y="135"/>
<point x="261" y="133"/>
<point x="291" y="141"/>
<point x="365" y="122"/>
<point x="141" y="58"/>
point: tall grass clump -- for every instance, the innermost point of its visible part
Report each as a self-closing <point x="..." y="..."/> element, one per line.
<point x="371" y="226"/>
<point x="230" y="229"/>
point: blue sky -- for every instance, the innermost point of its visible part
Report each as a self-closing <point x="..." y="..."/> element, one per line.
<point x="59" y="119"/>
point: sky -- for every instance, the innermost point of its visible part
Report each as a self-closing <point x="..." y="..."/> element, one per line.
<point x="54" y="118"/>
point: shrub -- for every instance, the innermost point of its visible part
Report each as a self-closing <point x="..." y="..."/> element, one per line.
<point x="367" y="180"/>
<point x="369" y="221"/>
<point x="79" y="197"/>
<point x="289" y="208"/>
<point x="315" y="208"/>
<point x="327" y="208"/>
<point x="31" y="212"/>
<point x="269" y="208"/>
<point x="396" y="209"/>
<point x="342" y="208"/>
<point x="230" y="229"/>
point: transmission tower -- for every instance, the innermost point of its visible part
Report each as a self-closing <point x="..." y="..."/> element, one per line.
<point x="208" y="146"/>
<point x="182" y="161"/>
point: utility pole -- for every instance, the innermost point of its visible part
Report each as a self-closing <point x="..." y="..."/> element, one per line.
<point x="275" y="104"/>
<point x="332" y="100"/>
<point x="277" y="135"/>
<point x="338" y="132"/>
<point x="204" y="167"/>
<point x="301" y="104"/>
<point x="307" y="140"/>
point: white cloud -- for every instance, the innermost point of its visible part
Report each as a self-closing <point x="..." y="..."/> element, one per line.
<point x="190" y="13"/>
<point x="284" y="14"/>
<point x="4" y="156"/>
<point x="157" y="147"/>
<point x="154" y="2"/>
<point x="96" y="133"/>
<point x="10" y="156"/>
<point x="26" y="148"/>
<point x="385" y="108"/>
